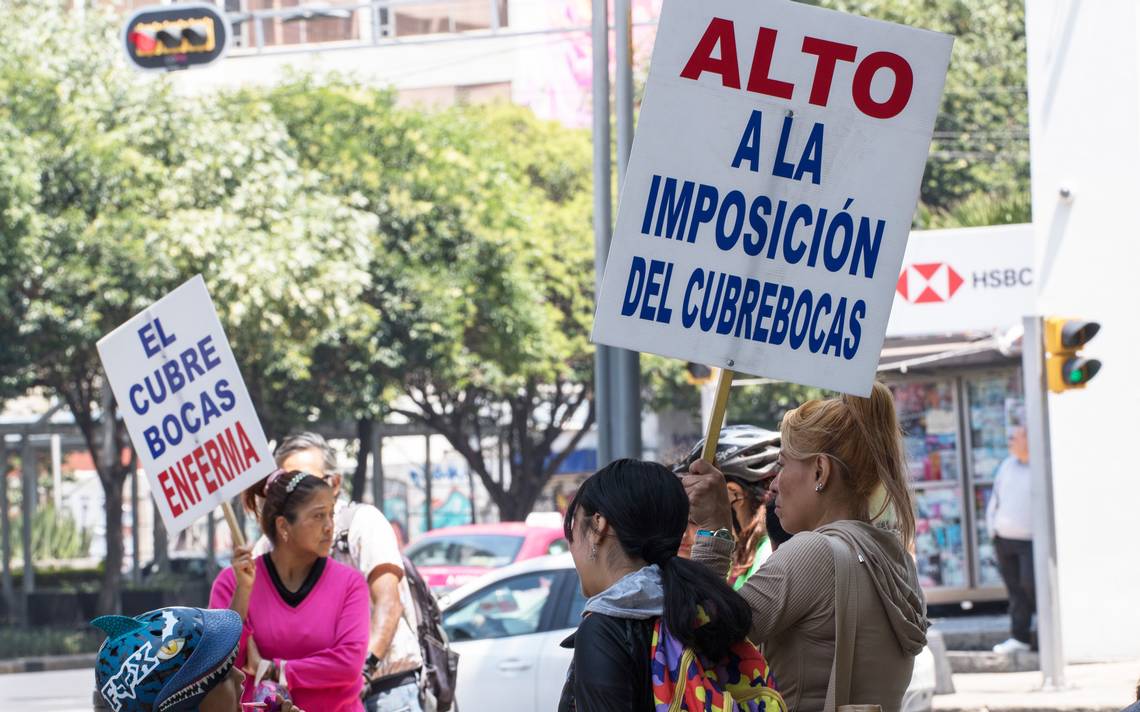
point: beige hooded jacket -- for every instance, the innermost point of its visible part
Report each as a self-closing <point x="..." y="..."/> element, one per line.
<point x="792" y="596"/>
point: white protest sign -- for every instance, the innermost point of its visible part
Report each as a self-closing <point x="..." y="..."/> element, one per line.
<point x="185" y="405"/>
<point x="768" y="200"/>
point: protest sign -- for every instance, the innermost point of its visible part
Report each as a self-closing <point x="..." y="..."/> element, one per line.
<point x="185" y="405"/>
<point x="770" y="191"/>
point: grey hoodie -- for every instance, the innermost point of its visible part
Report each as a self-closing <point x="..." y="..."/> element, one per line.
<point x="892" y="573"/>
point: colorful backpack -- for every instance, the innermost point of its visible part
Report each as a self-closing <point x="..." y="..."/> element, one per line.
<point x="684" y="682"/>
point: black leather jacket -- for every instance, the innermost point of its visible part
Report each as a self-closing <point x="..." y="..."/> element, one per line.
<point x="610" y="671"/>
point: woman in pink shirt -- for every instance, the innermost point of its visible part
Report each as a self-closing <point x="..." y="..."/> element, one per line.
<point x="305" y="617"/>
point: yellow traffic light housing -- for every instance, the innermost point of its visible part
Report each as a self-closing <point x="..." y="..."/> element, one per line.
<point x="178" y="36"/>
<point x="1065" y="368"/>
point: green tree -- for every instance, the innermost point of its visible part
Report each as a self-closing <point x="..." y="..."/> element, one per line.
<point x="981" y="136"/>
<point x="119" y="191"/>
<point x="482" y="268"/>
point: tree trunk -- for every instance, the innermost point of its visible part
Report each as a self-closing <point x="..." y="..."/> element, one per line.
<point x="110" y="598"/>
<point x="364" y="446"/>
<point x="515" y="509"/>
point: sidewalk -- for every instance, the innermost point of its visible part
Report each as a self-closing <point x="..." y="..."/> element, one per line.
<point x="1096" y="687"/>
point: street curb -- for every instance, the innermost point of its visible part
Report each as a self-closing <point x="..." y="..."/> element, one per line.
<point x="1024" y="708"/>
<point x="48" y="664"/>
<point x="963" y="661"/>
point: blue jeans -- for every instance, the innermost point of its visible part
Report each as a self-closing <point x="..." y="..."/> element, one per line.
<point x="405" y="698"/>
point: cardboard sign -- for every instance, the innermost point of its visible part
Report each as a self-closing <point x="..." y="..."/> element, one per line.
<point x="770" y="192"/>
<point x="185" y="405"/>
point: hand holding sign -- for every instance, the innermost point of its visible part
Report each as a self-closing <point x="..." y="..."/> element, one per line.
<point x="708" y="496"/>
<point x="186" y="406"/>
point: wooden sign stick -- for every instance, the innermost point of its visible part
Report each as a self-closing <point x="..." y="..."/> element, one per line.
<point x="231" y="519"/>
<point x="720" y="404"/>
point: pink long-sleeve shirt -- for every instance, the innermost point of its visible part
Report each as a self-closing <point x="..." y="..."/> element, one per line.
<point x="324" y="640"/>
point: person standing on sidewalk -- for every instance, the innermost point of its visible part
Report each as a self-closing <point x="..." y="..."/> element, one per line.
<point x="1009" y="516"/>
<point x="364" y="540"/>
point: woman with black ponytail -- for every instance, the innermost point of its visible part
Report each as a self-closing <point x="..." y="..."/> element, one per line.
<point x="625" y="526"/>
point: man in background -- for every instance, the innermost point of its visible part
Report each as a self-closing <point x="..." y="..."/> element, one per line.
<point x="1009" y="515"/>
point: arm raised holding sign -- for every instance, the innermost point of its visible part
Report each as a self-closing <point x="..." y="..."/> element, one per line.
<point x="306" y="615"/>
<point x="838" y="607"/>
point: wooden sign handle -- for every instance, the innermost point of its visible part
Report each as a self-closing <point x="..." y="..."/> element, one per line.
<point x="231" y="519"/>
<point x="720" y="404"/>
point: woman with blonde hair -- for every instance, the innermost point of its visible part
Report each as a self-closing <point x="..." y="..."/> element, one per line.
<point x="838" y="608"/>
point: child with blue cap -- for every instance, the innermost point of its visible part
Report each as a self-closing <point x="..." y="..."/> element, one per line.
<point x="173" y="660"/>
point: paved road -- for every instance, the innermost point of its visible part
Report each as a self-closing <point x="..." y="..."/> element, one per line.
<point x="68" y="691"/>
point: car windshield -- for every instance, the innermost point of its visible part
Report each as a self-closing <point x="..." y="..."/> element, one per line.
<point x="482" y="550"/>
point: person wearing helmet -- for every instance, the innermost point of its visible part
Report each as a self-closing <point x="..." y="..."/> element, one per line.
<point x="747" y="456"/>
<point x="172" y="660"/>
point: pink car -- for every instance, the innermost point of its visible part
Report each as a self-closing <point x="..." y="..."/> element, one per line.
<point x="448" y="558"/>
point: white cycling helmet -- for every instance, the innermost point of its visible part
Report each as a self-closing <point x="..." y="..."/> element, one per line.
<point x="744" y="453"/>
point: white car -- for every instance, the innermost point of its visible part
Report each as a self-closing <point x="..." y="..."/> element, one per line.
<point x="508" y="626"/>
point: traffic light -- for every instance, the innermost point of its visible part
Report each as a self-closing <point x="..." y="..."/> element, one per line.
<point x="698" y="374"/>
<point x="1065" y="367"/>
<point x="166" y="37"/>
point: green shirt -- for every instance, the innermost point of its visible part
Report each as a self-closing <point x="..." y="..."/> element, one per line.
<point x="763" y="551"/>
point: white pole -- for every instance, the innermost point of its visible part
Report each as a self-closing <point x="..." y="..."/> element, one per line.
<point x="1044" y="524"/>
<point x="56" y="474"/>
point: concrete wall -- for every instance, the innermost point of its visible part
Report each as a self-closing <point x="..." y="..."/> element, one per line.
<point x="1084" y="93"/>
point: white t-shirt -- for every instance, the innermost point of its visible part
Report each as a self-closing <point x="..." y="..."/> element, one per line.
<point x="371" y="542"/>
<point x="1009" y="513"/>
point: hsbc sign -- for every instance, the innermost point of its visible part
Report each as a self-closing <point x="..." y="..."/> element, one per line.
<point x="963" y="280"/>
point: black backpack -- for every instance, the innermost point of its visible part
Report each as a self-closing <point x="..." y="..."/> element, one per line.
<point x="441" y="663"/>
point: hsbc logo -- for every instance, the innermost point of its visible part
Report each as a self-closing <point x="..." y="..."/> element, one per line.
<point x="929" y="283"/>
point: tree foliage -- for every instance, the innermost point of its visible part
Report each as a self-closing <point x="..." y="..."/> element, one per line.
<point x="481" y="271"/>
<point x="114" y="191"/>
<point x="981" y="136"/>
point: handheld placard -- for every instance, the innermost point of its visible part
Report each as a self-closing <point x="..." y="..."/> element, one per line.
<point x="186" y="406"/>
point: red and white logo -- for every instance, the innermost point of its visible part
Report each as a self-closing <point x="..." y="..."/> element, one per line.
<point x="928" y="283"/>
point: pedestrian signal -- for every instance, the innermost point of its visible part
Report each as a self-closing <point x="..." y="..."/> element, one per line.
<point x="698" y="374"/>
<point x="1065" y="367"/>
<point x="166" y="37"/>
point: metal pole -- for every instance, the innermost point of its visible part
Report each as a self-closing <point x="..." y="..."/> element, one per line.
<point x="136" y="571"/>
<point x="427" y="481"/>
<point x="708" y="398"/>
<point x="626" y="364"/>
<point x="161" y="543"/>
<point x="211" y="545"/>
<point x="602" y="216"/>
<point x="9" y="589"/>
<point x="1044" y="525"/>
<point x="377" y="468"/>
<point x="28" y="500"/>
<point x="56" y="472"/>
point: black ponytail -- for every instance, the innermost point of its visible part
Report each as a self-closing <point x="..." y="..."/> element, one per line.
<point x="648" y="509"/>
